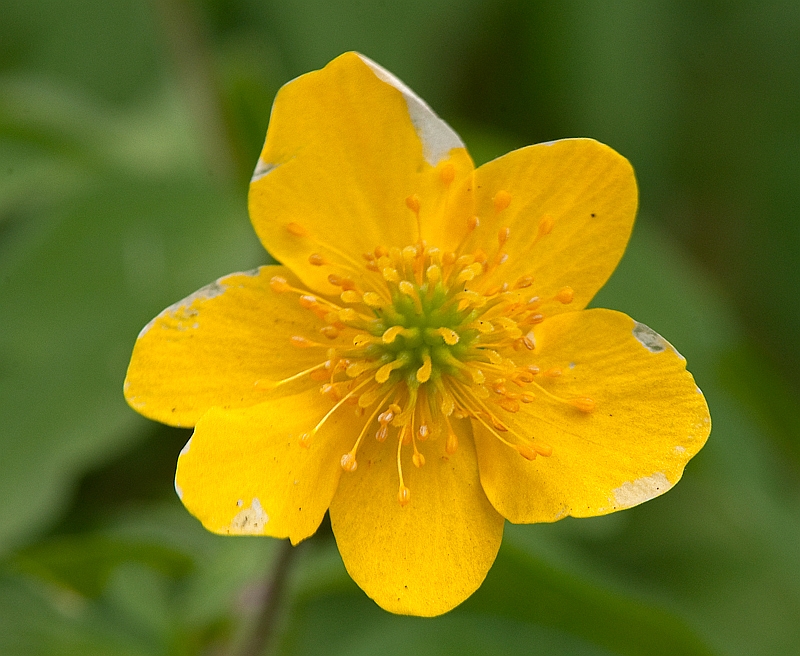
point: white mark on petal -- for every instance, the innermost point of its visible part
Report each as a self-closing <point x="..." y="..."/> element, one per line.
<point x="250" y="520"/>
<point x="178" y="490"/>
<point x="649" y="338"/>
<point x="642" y="489"/>
<point x="262" y="168"/>
<point x="679" y="449"/>
<point x="186" y="447"/>
<point x="438" y="138"/>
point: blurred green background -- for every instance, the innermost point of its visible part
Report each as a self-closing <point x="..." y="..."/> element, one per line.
<point x="128" y="131"/>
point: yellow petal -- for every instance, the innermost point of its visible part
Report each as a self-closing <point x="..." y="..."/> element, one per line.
<point x="570" y="207"/>
<point x="245" y="472"/>
<point x="649" y="420"/>
<point x="428" y="556"/>
<point x="211" y="348"/>
<point x="348" y="149"/>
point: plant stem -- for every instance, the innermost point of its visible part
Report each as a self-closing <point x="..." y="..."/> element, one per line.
<point x="265" y="623"/>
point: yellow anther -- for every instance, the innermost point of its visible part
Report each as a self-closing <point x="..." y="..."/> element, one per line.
<point x="357" y="368"/>
<point x="418" y="459"/>
<point x="527" y="397"/>
<point x="412" y="203"/>
<point x="433" y="274"/>
<point x="553" y="372"/>
<point x="448" y="258"/>
<point x="583" y="403"/>
<point x="565" y="295"/>
<point x="450" y="336"/>
<point x="391" y="334"/>
<point x="451" y="446"/>
<point x="305" y="440"/>
<point x="527" y="452"/>
<point x="390" y="274"/>
<point x="349" y="463"/>
<point x="524" y="281"/>
<point x="407" y="288"/>
<point x="372" y="300"/>
<point x="472" y="223"/>
<point x="545" y="226"/>
<point x="469" y="272"/>
<point x="316" y="259"/>
<point x="502" y="235"/>
<point x="424" y="432"/>
<point x="404" y="495"/>
<point x="494" y="356"/>
<point x="501" y="200"/>
<point x="382" y="433"/>
<point x="424" y="372"/>
<point x="447" y="173"/>
<point x="506" y="323"/>
<point x="350" y="296"/>
<point x="279" y="284"/>
<point x="331" y="332"/>
<point x="347" y="314"/>
<point x="543" y="449"/>
<point x="301" y="342"/>
<point x="297" y="230"/>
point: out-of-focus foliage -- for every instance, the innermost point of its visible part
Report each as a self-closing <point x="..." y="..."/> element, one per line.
<point x="127" y="133"/>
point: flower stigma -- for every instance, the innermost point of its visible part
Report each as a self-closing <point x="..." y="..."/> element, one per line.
<point x="426" y="340"/>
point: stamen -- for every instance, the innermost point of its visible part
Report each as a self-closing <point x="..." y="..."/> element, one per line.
<point x="297" y="230"/>
<point x="501" y="200"/>
<point x="279" y="284"/>
<point x="448" y="173"/>
<point x="565" y="295"/>
<point x="317" y="259"/>
<point x="545" y="226"/>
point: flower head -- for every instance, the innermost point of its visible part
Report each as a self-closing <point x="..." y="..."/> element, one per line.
<point x="421" y="364"/>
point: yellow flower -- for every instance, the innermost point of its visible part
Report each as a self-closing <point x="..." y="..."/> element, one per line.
<point x="421" y="364"/>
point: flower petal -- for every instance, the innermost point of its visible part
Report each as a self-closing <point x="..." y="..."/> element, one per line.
<point x="244" y="471"/>
<point x="428" y="556"/>
<point x="346" y="146"/>
<point x="649" y="420"/>
<point x="584" y="189"/>
<point x="212" y="347"/>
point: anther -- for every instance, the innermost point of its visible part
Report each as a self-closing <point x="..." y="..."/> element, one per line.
<point x="331" y="332"/>
<point x="279" y="284"/>
<point x="545" y="226"/>
<point x="305" y="440"/>
<point x="553" y="372"/>
<point x="404" y="495"/>
<point x="526" y="451"/>
<point x="502" y="235"/>
<point x="565" y="295"/>
<point x="501" y="200"/>
<point x="412" y="203"/>
<point x="423" y="432"/>
<point x="447" y="173"/>
<point x="524" y="281"/>
<point x="299" y="341"/>
<point x="316" y="259"/>
<point x="349" y="463"/>
<point x="472" y="223"/>
<point x="297" y="230"/>
<point x="451" y="446"/>
<point x="372" y="300"/>
<point x="350" y="296"/>
<point x="418" y="459"/>
<point x="583" y="403"/>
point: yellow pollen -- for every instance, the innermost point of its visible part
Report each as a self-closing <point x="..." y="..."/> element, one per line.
<point x="448" y="173"/>
<point x="565" y="295"/>
<point x="501" y="200"/>
<point x="297" y="230"/>
<point x="279" y="284"/>
<point x="316" y="259"/>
